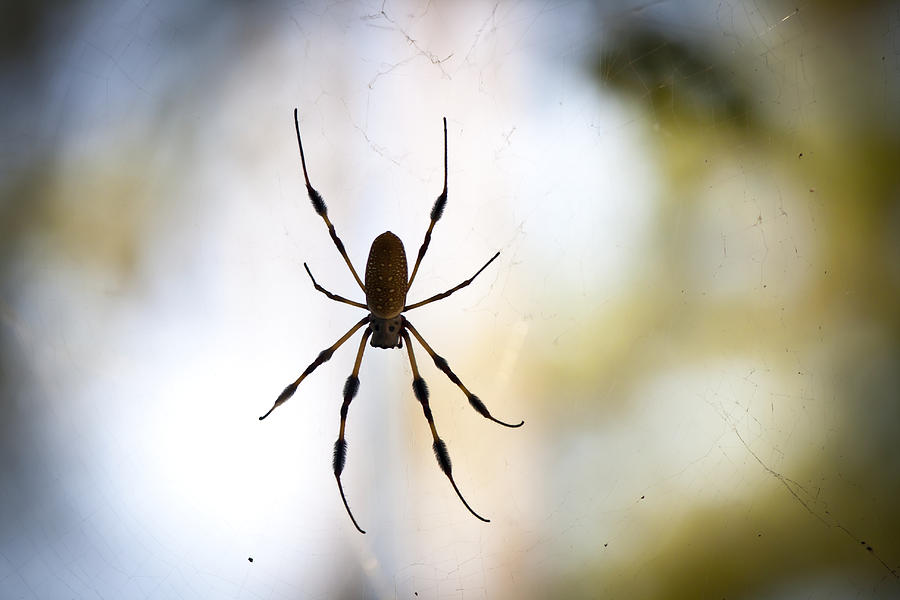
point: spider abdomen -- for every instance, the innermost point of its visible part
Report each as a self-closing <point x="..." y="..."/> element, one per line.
<point x="386" y="276"/>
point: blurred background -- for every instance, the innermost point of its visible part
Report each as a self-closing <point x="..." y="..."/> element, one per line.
<point x="695" y="308"/>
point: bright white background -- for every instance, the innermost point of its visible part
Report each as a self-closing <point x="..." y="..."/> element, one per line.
<point x="694" y="308"/>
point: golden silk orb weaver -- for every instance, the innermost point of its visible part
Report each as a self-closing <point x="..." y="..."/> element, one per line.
<point x="385" y="290"/>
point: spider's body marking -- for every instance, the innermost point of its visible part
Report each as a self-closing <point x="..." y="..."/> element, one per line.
<point x="386" y="287"/>
<point x="386" y="332"/>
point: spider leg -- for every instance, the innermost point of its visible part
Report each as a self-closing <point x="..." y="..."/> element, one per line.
<point x="440" y="448"/>
<point x="322" y="210"/>
<point x="340" y="446"/>
<point x="333" y="296"/>
<point x="324" y="355"/>
<point x="441" y="364"/>
<point x="443" y="295"/>
<point x="436" y="211"/>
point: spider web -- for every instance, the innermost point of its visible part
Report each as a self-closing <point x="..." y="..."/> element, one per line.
<point x="694" y="309"/>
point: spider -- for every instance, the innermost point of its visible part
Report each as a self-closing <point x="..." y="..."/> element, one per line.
<point x="385" y="290"/>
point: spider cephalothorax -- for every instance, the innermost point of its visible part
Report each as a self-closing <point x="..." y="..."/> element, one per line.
<point x="386" y="332"/>
<point x="385" y="289"/>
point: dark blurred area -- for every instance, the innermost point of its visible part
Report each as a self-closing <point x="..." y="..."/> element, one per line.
<point x="26" y="27"/>
<point x="677" y="81"/>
